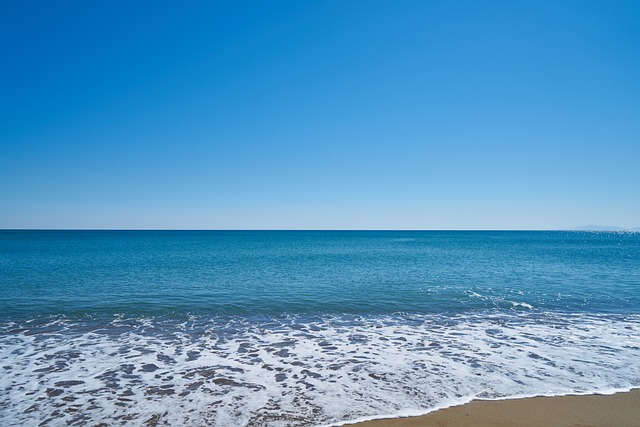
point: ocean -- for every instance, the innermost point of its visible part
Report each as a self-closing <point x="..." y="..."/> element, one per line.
<point x="307" y="328"/>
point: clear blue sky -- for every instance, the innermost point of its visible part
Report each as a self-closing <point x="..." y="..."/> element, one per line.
<point x="315" y="115"/>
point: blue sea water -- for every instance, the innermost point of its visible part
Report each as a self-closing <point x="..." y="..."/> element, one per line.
<point x="307" y="327"/>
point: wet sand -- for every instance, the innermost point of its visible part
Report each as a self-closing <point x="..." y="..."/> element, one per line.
<point x="617" y="410"/>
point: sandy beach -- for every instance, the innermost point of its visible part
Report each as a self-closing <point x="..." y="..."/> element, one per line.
<point x="617" y="410"/>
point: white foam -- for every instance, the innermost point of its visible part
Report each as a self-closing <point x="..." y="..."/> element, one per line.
<point x="521" y="304"/>
<point x="300" y="371"/>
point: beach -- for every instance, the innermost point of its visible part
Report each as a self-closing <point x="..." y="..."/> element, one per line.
<point x="284" y="329"/>
<point x="616" y="410"/>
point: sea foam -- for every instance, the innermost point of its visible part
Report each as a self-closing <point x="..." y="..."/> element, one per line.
<point x="301" y="370"/>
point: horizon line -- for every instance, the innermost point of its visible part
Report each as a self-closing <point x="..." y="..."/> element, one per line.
<point x="309" y="229"/>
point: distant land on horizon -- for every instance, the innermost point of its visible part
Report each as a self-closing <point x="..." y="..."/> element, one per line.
<point x="593" y="227"/>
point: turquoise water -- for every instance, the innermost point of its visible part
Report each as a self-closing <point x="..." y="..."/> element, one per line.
<point x="273" y="272"/>
<point x="288" y="328"/>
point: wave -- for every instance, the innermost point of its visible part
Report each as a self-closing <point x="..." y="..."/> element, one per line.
<point x="302" y="370"/>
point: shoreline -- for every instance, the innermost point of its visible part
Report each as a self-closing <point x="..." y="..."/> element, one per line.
<point x="619" y="409"/>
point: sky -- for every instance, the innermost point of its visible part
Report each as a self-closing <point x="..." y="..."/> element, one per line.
<point x="319" y="114"/>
